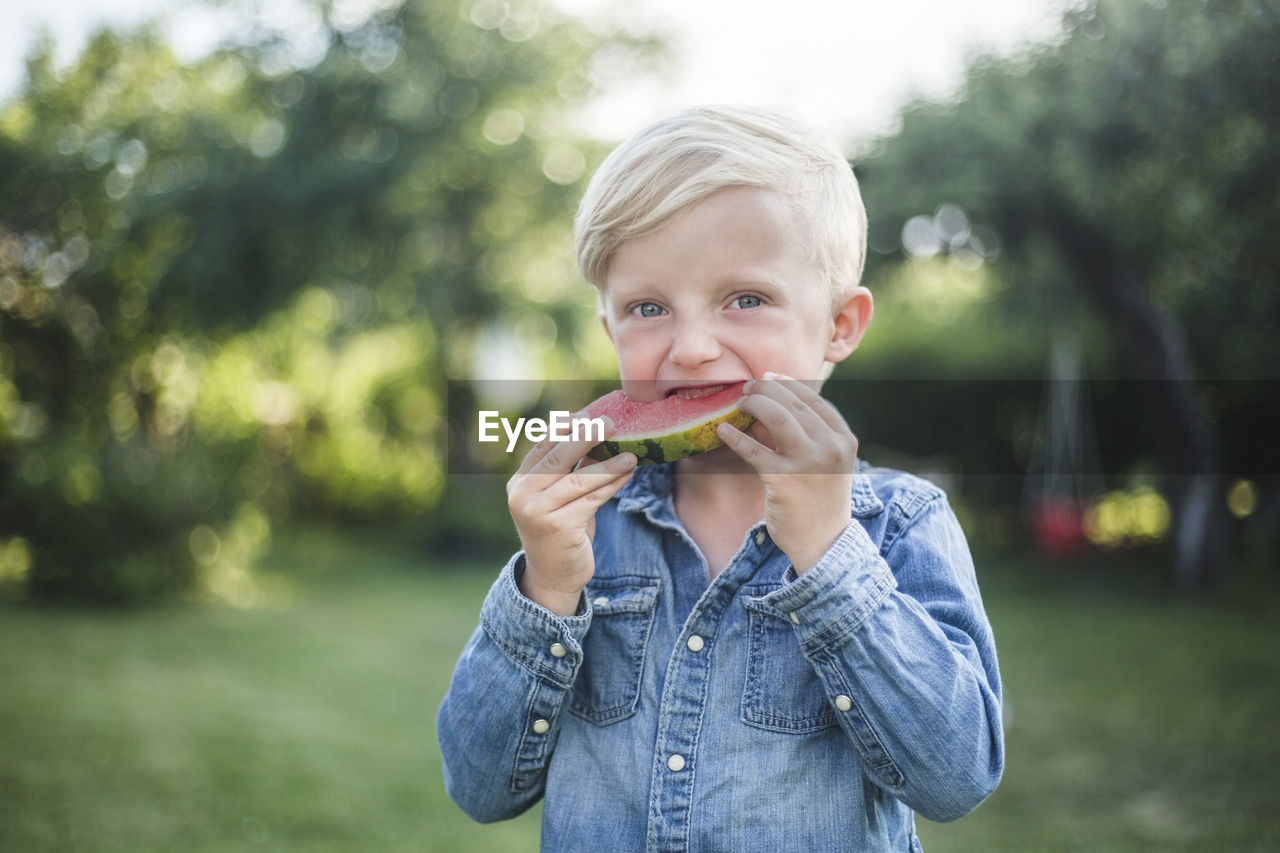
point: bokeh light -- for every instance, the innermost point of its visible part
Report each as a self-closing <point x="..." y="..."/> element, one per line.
<point x="1242" y="498"/>
<point x="1128" y="517"/>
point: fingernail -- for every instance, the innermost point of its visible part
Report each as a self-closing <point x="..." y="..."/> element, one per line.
<point x="769" y="374"/>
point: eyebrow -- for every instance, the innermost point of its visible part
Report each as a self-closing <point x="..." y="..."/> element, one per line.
<point x="736" y="279"/>
<point x="748" y="278"/>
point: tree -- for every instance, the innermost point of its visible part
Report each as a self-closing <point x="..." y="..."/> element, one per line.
<point x="237" y="287"/>
<point x="1132" y="162"/>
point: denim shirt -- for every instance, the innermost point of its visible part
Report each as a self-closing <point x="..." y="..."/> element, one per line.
<point x="755" y="711"/>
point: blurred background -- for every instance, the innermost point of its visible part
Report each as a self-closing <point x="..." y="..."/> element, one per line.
<point x="261" y="263"/>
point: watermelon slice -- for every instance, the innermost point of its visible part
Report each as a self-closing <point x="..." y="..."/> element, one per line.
<point x="669" y="429"/>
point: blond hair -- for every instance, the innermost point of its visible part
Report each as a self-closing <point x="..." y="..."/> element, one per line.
<point x="678" y="161"/>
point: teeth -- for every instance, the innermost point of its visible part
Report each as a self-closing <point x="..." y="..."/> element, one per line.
<point x="702" y="391"/>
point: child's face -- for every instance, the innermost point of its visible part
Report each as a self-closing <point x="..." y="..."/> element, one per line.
<point x="722" y="293"/>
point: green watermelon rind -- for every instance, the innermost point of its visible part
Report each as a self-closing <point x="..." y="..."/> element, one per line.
<point x="650" y="450"/>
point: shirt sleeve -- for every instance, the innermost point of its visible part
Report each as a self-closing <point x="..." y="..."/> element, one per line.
<point x="499" y="721"/>
<point x="904" y="647"/>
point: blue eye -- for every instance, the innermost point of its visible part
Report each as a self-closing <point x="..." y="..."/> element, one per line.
<point x="647" y="309"/>
<point x="747" y="300"/>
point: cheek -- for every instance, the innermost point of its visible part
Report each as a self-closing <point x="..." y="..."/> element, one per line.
<point x="638" y="353"/>
<point x="639" y="337"/>
<point x="799" y="356"/>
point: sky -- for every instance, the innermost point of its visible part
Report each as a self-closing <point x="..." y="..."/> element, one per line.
<point x="846" y="66"/>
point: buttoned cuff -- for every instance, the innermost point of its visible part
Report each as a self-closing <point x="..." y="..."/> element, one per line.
<point x="534" y="638"/>
<point x="839" y="593"/>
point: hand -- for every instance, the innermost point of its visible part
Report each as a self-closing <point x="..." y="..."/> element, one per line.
<point x="806" y="466"/>
<point x="553" y="502"/>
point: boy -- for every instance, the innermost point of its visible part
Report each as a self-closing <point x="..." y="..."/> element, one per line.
<point x="771" y="646"/>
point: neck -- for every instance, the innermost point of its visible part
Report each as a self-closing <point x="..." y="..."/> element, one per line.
<point x="719" y="479"/>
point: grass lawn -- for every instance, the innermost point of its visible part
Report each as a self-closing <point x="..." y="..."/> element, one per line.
<point x="1136" y="721"/>
<point x="308" y="727"/>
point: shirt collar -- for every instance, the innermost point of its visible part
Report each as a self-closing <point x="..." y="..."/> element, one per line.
<point x="651" y="486"/>
<point x="864" y="501"/>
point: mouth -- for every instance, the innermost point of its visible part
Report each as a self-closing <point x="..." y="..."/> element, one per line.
<point x="694" y="392"/>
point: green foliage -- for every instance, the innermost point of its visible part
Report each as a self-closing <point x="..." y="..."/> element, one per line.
<point x="1142" y="144"/>
<point x="1120" y="185"/>
<point x="234" y="289"/>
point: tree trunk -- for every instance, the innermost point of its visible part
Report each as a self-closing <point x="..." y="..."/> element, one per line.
<point x="1188" y="449"/>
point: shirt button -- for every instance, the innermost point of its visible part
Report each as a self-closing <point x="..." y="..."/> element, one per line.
<point x="600" y="600"/>
<point x="675" y="763"/>
<point x="794" y="617"/>
<point x="557" y="650"/>
<point x="760" y="537"/>
<point x="695" y="643"/>
<point x="843" y="702"/>
<point x="541" y="727"/>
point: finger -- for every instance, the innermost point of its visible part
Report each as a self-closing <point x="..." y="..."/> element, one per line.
<point x="781" y="418"/>
<point x="533" y="457"/>
<point x="563" y="456"/>
<point x="540" y="450"/>
<point x="575" y="485"/>
<point x="599" y="496"/>
<point x="588" y="461"/>
<point x="823" y="407"/>
<point x="827" y="440"/>
<point x="799" y="410"/>
<point x="760" y="433"/>
<point x="541" y="496"/>
<point x="747" y="448"/>
<point x="816" y="414"/>
<point x="820" y="420"/>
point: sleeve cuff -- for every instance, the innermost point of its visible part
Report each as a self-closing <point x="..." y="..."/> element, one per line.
<point x="839" y="593"/>
<point x="533" y="637"/>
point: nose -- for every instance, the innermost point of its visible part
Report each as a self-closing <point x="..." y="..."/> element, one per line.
<point x="694" y="343"/>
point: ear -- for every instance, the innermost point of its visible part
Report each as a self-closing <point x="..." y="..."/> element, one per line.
<point x="853" y="315"/>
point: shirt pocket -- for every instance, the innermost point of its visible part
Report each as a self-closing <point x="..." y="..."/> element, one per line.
<point x="607" y="688"/>
<point x="782" y="691"/>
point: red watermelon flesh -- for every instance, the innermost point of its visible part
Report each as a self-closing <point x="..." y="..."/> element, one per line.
<point x="672" y="428"/>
